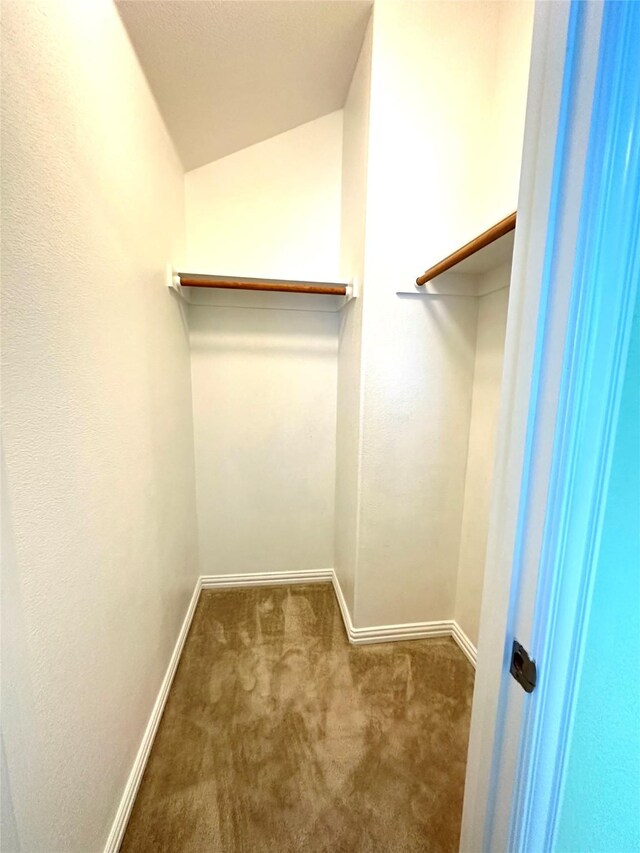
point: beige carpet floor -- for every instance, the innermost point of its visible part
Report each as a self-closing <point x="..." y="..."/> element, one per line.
<point x="279" y="736"/>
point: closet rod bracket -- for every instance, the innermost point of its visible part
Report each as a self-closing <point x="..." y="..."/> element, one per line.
<point x="173" y="283"/>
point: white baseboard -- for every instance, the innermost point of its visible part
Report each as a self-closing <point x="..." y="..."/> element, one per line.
<point x="357" y="636"/>
<point x="265" y="578"/>
<point x="405" y="631"/>
<point x="342" y="604"/>
<point x="467" y="647"/>
<point x="135" y="777"/>
<point x="387" y="633"/>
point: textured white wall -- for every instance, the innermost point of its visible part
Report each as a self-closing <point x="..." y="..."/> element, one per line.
<point x="429" y="145"/>
<point x="264" y="379"/>
<point x="487" y="383"/>
<point x="264" y="403"/>
<point x="98" y="480"/>
<point x="272" y="209"/>
<point x="352" y="247"/>
<point x="503" y="146"/>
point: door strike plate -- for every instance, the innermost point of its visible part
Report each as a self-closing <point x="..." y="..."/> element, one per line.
<point x="523" y="669"/>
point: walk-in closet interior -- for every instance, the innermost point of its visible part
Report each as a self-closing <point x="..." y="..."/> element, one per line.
<point x="244" y="376"/>
<point x="355" y="429"/>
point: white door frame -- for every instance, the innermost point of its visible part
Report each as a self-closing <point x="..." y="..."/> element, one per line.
<point x="604" y="282"/>
<point x="506" y="780"/>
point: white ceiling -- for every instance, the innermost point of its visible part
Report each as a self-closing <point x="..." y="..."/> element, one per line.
<point x="229" y="73"/>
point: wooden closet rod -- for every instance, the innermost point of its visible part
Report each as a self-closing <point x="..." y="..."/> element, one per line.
<point x="294" y="287"/>
<point x="485" y="239"/>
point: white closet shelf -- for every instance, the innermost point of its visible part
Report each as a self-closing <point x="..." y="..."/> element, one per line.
<point x="184" y="282"/>
<point x="455" y="274"/>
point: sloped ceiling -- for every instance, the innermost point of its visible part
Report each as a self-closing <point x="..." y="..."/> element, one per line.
<point x="229" y="73"/>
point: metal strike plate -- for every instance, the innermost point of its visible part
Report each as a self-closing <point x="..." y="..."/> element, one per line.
<point x="523" y="668"/>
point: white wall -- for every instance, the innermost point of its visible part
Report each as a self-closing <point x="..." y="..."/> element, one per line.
<point x="434" y="83"/>
<point x="503" y="151"/>
<point x="98" y="480"/>
<point x="352" y="248"/>
<point x="264" y="403"/>
<point x="272" y="209"/>
<point x="487" y="382"/>
<point x="264" y="369"/>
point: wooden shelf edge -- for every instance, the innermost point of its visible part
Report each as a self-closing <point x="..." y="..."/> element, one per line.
<point x="327" y="288"/>
<point x="485" y="239"/>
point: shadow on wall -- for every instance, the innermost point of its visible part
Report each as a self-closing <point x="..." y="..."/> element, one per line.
<point x="263" y="331"/>
<point x="18" y="699"/>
